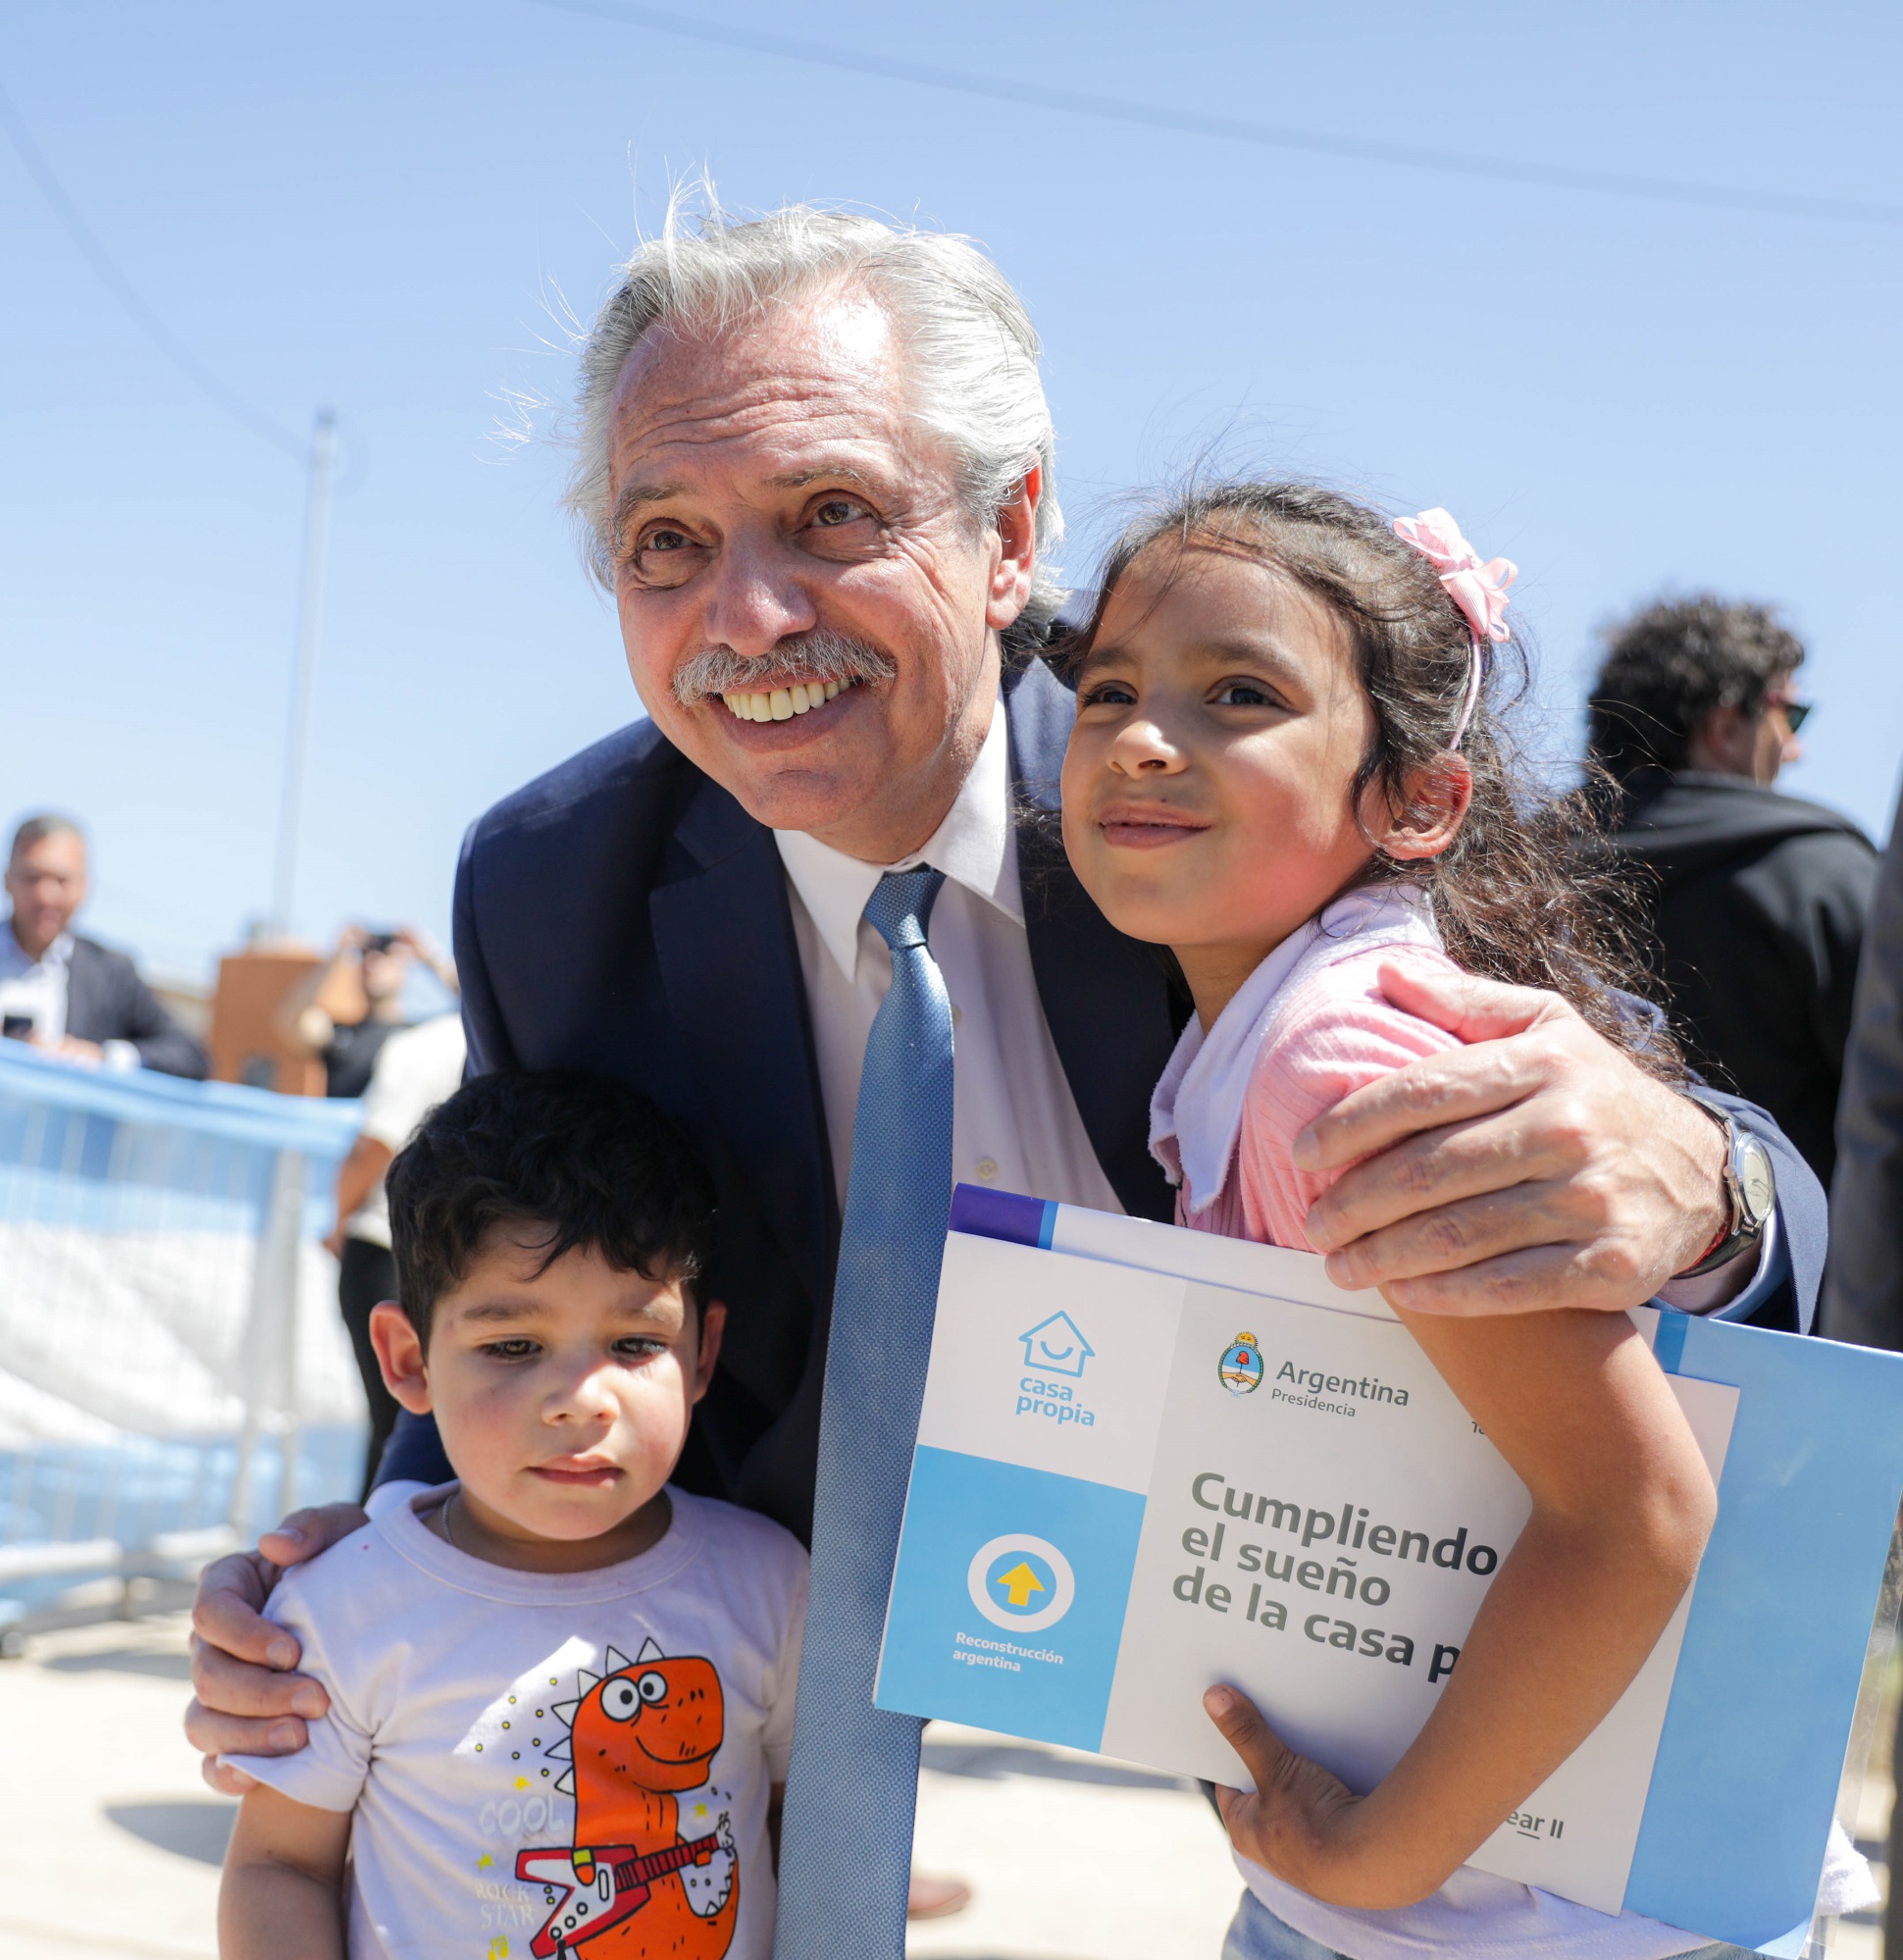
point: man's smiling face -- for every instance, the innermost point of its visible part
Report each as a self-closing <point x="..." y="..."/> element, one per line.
<point x="781" y="523"/>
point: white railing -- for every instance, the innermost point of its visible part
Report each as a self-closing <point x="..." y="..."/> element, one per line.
<point x="173" y="1371"/>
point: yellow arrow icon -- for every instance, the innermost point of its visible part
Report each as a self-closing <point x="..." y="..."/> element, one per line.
<point x="1019" y="1583"/>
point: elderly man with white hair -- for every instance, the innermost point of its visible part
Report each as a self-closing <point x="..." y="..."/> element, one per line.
<point x="796" y="905"/>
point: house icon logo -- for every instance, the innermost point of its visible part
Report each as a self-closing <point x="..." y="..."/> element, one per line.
<point x="1057" y="1345"/>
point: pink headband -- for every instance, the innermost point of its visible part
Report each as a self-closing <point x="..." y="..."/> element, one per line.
<point x="1479" y="591"/>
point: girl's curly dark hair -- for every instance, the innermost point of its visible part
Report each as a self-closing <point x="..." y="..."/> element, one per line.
<point x="1513" y="894"/>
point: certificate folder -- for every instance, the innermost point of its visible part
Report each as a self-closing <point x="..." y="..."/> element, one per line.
<point x="1151" y="1459"/>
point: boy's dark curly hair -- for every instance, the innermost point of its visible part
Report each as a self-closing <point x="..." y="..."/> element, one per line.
<point x="1511" y="894"/>
<point x="579" y="1163"/>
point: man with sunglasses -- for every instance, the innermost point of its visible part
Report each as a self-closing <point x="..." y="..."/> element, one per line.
<point x="1756" y="900"/>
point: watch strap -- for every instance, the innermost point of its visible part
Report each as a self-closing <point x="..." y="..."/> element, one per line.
<point x="1739" y="1234"/>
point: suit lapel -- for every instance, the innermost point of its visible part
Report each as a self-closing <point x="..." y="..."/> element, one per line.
<point x="81" y="976"/>
<point x="1107" y="999"/>
<point x="723" y="937"/>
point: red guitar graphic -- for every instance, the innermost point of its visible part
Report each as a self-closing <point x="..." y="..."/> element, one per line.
<point x="593" y="1888"/>
<point x="634" y="1743"/>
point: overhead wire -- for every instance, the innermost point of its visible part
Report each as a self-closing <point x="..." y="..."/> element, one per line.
<point x="1272" y="136"/>
<point x="995" y="89"/>
<point x="87" y="243"/>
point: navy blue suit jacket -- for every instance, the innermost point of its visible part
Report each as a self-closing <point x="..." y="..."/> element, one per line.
<point x="624" y="915"/>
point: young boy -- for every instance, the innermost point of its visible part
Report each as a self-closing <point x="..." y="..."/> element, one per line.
<point x="561" y="1693"/>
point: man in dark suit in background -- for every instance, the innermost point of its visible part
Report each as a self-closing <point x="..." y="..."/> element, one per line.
<point x="816" y="472"/>
<point x="68" y="996"/>
<point x="1755" y="900"/>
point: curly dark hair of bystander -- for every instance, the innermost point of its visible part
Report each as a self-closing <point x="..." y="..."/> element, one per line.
<point x="1667" y="668"/>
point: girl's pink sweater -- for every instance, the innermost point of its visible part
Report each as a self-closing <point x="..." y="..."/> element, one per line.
<point x="1325" y="1030"/>
<point x="1331" y="1036"/>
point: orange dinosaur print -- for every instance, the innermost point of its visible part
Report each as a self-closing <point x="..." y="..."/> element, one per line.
<point x="632" y="1887"/>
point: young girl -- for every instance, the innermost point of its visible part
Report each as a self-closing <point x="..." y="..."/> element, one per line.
<point x="1286" y="768"/>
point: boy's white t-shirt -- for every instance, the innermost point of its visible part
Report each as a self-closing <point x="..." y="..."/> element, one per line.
<point x="479" y="1714"/>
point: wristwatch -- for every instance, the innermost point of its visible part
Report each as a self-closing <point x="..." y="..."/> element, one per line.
<point x="1750" y="1184"/>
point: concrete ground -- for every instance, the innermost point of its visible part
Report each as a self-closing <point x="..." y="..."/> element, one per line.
<point x="109" y="1843"/>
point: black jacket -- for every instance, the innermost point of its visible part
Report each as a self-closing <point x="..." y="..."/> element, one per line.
<point x="1756" y="901"/>
<point x="1862" y="1289"/>
<point x="107" y="1001"/>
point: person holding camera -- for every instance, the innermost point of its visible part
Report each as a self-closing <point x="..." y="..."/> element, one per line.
<point x="349" y="1015"/>
<point x="416" y="1069"/>
<point x="368" y="970"/>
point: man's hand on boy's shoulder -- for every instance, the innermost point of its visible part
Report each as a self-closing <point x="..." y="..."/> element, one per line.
<point x="247" y="1699"/>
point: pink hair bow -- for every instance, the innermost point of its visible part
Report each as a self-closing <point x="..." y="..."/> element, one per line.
<point x="1479" y="591"/>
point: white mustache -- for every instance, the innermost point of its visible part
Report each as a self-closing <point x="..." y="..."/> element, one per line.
<point x="819" y="655"/>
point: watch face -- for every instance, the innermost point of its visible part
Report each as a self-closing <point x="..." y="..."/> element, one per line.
<point x="1757" y="1182"/>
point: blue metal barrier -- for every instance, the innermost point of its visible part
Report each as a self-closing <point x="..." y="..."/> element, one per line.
<point x="172" y="1372"/>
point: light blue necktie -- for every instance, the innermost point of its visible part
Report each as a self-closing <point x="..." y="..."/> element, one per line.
<point x="847" y="1843"/>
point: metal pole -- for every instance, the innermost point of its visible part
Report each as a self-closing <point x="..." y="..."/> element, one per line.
<point x="291" y="1429"/>
<point x="263" y="1364"/>
<point x="310" y="622"/>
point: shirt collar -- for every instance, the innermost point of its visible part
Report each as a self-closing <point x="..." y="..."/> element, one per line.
<point x="1196" y="1111"/>
<point x="974" y="846"/>
<point x="14" y="958"/>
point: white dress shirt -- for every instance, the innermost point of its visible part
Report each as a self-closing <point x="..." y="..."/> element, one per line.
<point x="1014" y="1124"/>
<point x="35" y="990"/>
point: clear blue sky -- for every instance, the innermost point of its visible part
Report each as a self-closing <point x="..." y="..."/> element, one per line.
<point x="379" y="206"/>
